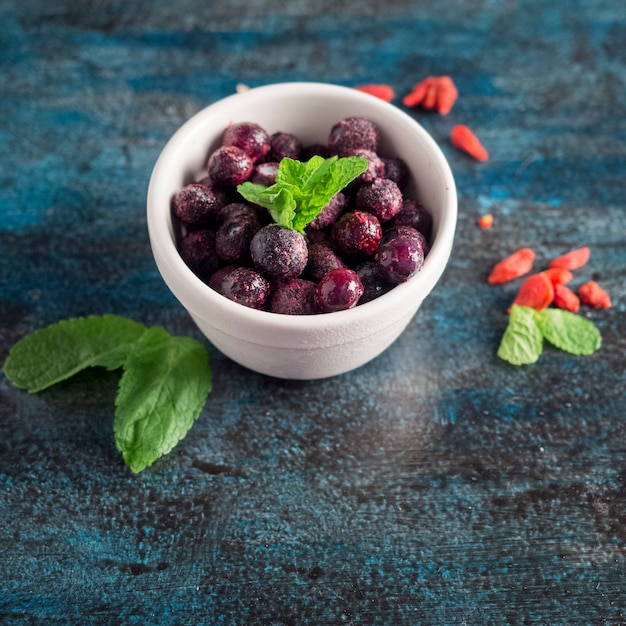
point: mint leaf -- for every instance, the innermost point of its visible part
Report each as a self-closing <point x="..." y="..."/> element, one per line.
<point x="522" y="340"/>
<point x="568" y="331"/>
<point x="52" y="354"/>
<point x="302" y="190"/>
<point x="161" y="393"/>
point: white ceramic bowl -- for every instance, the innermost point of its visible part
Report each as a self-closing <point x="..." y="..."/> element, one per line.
<point x="311" y="346"/>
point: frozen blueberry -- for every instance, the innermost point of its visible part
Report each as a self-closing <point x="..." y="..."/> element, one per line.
<point x="322" y="259"/>
<point x="284" y="145"/>
<point x="353" y="133"/>
<point x="416" y="215"/>
<point x="251" y="138"/>
<point x="356" y="234"/>
<point x="242" y="285"/>
<point x="279" y="252"/>
<point x="232" y="240"/>
<point x="407" y="231"/>
<point x="295" y="297"/>
<point x="197" y="249"/>
<point x="338" y="290"/>
<point x="375" y="167"/>
<point x="381" y="198"/>
<point x="329" y="213"/>
<point x="197" y="204"/>
<point x="264" y="173"/>
<point x="237" y="209"/>
<point x="229" y="165"/>
<point x="374" y="285"/>
<point x="397" y="170"/>
<point x="399" y="258"/>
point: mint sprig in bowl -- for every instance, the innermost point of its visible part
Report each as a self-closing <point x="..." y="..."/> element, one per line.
<point x="308" y="346"/>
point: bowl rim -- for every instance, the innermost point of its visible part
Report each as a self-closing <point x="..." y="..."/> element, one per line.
<point x="176" y="273"/>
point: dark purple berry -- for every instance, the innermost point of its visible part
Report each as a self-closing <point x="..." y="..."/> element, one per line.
<point x="317" y="149"/>
<point x="382" y="198"/>
<point x="229" y="165"/>
<point x="242" y="285"/>
<point x="295" y="297"/>
<point x="251" y="138"/>
<point x="197" y="205"/>
<point x="238" y="209"/>
<point x="356" y="234"/>
<point x="284" y="145"/>
<point x="232" y="240"/>
<point x="353" y="133"/>
<point x="416" y="215"/>
<point x="375" y="168"/>
<point x="322" y="259"/>
<point x="197" y="249"/>
<point x="264" y="173"/>
<point x="338" y="290"/>
<point x="396" y="169"/>
<point x="399" y="258"/>
<point x="279" y="252"/>
<point x="329" y="213"/>
<point x="407" y="231"/>
<point x="374" y="285"/>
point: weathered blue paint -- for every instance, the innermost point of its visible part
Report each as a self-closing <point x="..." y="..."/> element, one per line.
<point x="435" y="485"/>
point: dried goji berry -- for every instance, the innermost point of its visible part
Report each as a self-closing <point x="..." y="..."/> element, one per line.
<point x="573" y="259"/>
<point x="463" y="138"/>
<point x="558" y="275"/>
<point x="434" y="92"/>
<point x="565" y="298"/>
<point x="485" y="221"/>
<point x="517" y="264"/>
<point x="384" y="92"/>
<point x="591" y="294"/>
<point x="536" y="292"/>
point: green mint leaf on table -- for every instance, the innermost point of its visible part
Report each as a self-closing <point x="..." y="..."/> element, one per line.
<point x="568" y="331"/>
<point x="522" y="340"/>
<point x="162" y="390"/>
<point x="527" y="328"/>
<point x="52" y="354"/>
<point x="302" y="190"/>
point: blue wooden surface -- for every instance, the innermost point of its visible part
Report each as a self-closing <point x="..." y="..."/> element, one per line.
<point x="435" y="485"/>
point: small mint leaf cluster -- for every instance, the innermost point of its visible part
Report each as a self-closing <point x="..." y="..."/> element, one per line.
<point x="302" y="190"/>
<point x="164" y="384"/>
<point x="522" y="342"/>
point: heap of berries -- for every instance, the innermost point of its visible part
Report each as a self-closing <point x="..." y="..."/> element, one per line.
<point x="366" y="240"/>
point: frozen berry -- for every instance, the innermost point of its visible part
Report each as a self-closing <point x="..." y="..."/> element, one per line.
<point x="399" y="258"/>
<point x="356" y="234"/>
<point x="242" y="285"/>
<point x="232" y="240"/>
<point x="279" y="252"/>
<point x="382" y="198"/>
<point x="396" y="169"/>
<point x="197" y="205"/>
<point x="353" y="133"/>
<point x="295" y="297"/>
<point x="237" y="209"/>
<point x="264" y="173"/>
<point x="374" y="285"/>
<point x="322" y="259"/>
<point x="329" y="213"/>
<point x="317" y="149"/>
<point x="416" y="215"/>
<point x="284" y="145"/>
<point x="229" y="165"/>
<point x="375" y="167"/>
<point x="407" y="231"/>
<point x="197" y="249"/>
<point x="251" y="138"/>
<point x="338" y="290"/>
